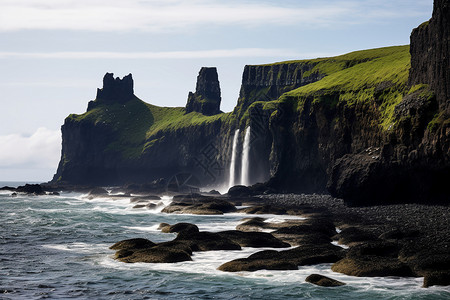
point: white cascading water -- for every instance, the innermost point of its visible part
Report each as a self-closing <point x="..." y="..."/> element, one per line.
<point x="233" y="159"/>
<point x="245" y="173"/>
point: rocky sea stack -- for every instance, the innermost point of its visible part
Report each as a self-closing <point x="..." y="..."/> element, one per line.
<point x="206" y="99"/>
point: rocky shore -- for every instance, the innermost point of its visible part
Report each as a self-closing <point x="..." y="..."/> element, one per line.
<point x="403" y="240"/>
<point x="406" y="240"/>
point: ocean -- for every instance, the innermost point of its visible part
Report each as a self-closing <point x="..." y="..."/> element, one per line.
<point x="57" y="247"/>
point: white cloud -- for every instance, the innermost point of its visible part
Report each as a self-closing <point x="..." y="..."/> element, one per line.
<point x="157" y="15"/>
<point x="217" y="53"/>
<point x="41" y="150"/>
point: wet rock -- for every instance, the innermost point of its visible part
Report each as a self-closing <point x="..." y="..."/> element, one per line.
<point x="427" y="260"/>
<point x="137" y="243"/>
<point x="31" y="189"/>
<point x="352" y="235"/>
<point x="97" y="192"/>
<point x="200" y="207"/>
<point x="304" y="239"/>
<point x="143" y="250"/>
<point x="437" y="278"/>
<point x="324" y="281"/>
<point x="254" y="239"/>
<point x="206" y="241"/>
<point x="137" y="206"/>
<point x="251" y="265"/>
<point x="253" y="224"/>
<point x="263" y="209"/>
<point x="179" y="227"/>
<point x="372" y="266"/>
<point x="239" y="191"/>
<point x="144" y="198"/>
<point x="7" y="188"/>
<point x="162" y="226"/>
<point x="155" y="255"/>
<point x="376" y="248"/>
<point x="285" y="260"/>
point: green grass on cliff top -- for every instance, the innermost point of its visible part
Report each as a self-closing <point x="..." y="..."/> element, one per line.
<point x="360" y="70"/>
<point x="136" y="122"/>
<point x="354" y="76"/>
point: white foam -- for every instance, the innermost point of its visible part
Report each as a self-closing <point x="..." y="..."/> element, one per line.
<point x="77" y="247"/>
<point x="336" y="243"/>
<point x="153" y="228"/>
<point x="207" y="263"/>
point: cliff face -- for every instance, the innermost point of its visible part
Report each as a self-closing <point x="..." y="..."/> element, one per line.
<point x="369" y="126"/>
<point x="430" y="53"/>
<point x="269" y="82"/>
<point x="121" y="139"/>
<point x="206" y="99"/>
<point x="414" y="157"/>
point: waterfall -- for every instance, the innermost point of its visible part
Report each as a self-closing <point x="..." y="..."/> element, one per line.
<point x="233" y="159"/>
<point x="245" y="173"/>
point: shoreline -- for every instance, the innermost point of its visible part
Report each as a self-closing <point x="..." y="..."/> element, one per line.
<point x="409" y="240"/>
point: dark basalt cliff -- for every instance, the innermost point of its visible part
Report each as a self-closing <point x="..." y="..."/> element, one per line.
<point x="370" y="127"/>
<point x="414" y="157"/>
<point x="269" y="82"/>
<point x="206" y="99"/>
<point x="430" y="53"/>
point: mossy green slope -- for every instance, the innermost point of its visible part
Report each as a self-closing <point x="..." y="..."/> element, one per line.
<point x="360" y="76"/>
<point x="136" y="123"/>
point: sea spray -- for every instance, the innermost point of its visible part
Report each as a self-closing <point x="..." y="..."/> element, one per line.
<point x="233" y="159"/>
<point x="245" y="173"/>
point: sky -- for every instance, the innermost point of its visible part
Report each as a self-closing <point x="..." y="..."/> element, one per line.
<point x="54" y="54"/>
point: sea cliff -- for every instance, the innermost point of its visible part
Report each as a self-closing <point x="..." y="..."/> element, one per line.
<point x="369" y="127"/>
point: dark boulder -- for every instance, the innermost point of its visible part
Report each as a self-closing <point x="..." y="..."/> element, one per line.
<point x="324" y="281"/>
<point x="35" y="189"/>
<point x="155" y="255"/>
<point x="137" y="243"/>
<point x="144" y="198"/>
<point x="254" y="239"/>
<point x="239" y="191"/>
<point x="206" y="241"/>
<point x="202" y="206"/>
<point x="97" y="192"/>
<point x="375" y="248"/>
<point x="251" y="265"/>
<point x="286" y="259"/>
<point x="179" y="227"/>
<point x="436" y="278"/>
<point x="253" y="224"/>
<point x="372" y="266"/>
<point x="7" y="188"/>
<point x="137" y="206"/>
<point x="264" y="209"/>
<point x="353" y="235"/>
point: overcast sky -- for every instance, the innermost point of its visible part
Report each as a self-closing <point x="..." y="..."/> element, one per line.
<point x="54" y="53"/>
